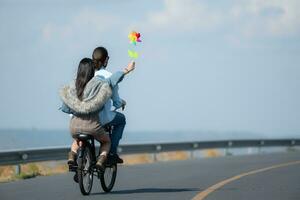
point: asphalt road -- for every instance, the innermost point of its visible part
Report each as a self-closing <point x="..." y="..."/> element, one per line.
<point x="178" y="180"/>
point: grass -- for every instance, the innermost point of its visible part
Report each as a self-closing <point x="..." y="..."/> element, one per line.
<point x="31" y="170"/>
<point x="23" y="175"/>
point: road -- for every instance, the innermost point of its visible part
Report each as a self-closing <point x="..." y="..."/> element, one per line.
<point x="259" y="177"/>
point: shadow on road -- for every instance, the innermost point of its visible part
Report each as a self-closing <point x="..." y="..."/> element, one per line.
<point x="151" y="190"/>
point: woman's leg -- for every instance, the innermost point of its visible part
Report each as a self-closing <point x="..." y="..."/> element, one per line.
<point x="73" y="153"/>
<point x="74" y="146"/>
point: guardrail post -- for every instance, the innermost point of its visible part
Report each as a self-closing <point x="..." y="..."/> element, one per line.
<point x="158" y="149"/>
<point x="293" y="142"/>
<point x="154" y="157"/>
<point x="249" y="150"/>
<point x="227" y="152"/>
<point x="229" y="145"/>
<point x="192" y="152"/>
<point x="292" y="146"/>
<point x="18" y="169"/>
<point x="262" y="143"/>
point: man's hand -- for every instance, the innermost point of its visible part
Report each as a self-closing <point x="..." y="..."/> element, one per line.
<point x="130" y="67"/>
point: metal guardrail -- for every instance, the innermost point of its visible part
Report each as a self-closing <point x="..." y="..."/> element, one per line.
<point x="60" y="153"/>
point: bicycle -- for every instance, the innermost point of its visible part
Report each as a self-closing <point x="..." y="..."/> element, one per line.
<point x="86" y="166"/>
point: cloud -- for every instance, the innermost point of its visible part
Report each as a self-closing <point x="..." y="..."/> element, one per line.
<point x="267" y="17"/>
<point x="236" y="20"/>
<point x="182" y="16"/>
<point x="241" y="18"/>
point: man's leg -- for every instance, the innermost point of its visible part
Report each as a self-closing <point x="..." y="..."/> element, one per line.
<point x="118" y="124"/>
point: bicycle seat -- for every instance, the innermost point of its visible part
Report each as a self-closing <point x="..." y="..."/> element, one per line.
<point x="83" y="136"/>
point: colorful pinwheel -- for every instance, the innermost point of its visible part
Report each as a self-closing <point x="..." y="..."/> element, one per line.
<point x="134" y="38"/>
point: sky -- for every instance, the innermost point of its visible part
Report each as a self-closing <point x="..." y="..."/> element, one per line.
<point x="228" y="65"/>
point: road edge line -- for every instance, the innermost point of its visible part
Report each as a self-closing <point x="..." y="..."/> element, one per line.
<point x="206" y="192"/>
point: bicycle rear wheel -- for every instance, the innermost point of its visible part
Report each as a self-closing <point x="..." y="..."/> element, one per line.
<point x="108" y="177"/>
<point x="85" y="171"/>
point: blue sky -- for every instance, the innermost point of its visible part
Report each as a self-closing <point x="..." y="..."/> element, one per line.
<point x="204" y="65"/>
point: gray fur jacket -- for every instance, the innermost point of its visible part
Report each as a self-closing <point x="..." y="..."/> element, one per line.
<point x="95" y="95"/>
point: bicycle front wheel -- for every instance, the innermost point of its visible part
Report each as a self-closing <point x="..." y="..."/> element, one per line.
<point x="85" y="171"/>
<point x="108" y="177"/>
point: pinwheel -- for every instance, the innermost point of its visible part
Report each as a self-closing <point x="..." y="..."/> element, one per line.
<point x="134" y="38"/>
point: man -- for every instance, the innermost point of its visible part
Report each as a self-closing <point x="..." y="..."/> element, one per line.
<point x="108" y="116"/>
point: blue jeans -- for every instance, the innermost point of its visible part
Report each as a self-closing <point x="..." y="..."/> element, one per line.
<point x="118" y="124"/>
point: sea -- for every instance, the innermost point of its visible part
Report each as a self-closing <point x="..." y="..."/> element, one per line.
<point x="34" y="138"/>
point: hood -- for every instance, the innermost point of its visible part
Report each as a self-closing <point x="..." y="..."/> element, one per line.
<point x="95" y="95"/>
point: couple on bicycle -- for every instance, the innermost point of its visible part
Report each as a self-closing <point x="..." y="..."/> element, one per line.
<point x="89" y="99"/>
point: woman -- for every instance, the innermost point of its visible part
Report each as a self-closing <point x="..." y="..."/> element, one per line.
<point x="84" y="98"/>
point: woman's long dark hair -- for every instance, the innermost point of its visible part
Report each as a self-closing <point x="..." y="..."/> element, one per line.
<point x="99" y="56"/>
<point x="85" y="73"/>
